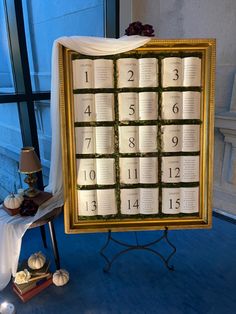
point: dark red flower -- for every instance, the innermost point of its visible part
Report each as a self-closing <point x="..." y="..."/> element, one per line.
<point x="147" y="30"/>
<point x="134" y="28"/>
<point x="137" y="28"/>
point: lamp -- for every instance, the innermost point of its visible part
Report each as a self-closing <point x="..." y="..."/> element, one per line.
<point x="29" y="164"/>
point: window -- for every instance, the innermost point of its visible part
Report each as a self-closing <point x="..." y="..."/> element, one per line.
<point x="27" y="32"/>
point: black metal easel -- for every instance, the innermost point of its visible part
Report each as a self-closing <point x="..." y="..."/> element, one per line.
<point x="137" y="246"/>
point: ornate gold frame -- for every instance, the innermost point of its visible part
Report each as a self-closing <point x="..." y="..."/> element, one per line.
<point x="204" y="219"/>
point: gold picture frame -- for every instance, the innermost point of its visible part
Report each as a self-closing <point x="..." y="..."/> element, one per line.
<point x="160" y="48"/>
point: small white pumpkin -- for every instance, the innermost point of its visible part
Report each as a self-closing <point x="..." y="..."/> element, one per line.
<point x="60" y="277"/>
<point x="13" y="201"/>
<point x="36" y="260"/>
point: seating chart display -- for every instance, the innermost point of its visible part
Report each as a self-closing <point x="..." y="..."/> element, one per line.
<point x="137" y="137"/>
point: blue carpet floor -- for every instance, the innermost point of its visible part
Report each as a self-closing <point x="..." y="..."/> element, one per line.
<point x="204" y="280"/>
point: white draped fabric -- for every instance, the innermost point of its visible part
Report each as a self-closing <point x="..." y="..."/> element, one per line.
<point x="12" y="228"/>
<point x="92" y="46"/>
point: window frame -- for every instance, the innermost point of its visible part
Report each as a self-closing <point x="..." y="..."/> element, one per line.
<point x="24" y="95"/>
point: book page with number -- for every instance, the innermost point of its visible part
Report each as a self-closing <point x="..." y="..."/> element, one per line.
<point x="180" y="138"/>
<point x="139" y="201"/>
<point x="141" y="72"/>
<point x="87" y="202"/>
<point x="180" y="200"/>
<point x="181" y="105"/>
<point x="83" y="73"/>
<point x="138" y="106"/>
<point x="94" y="107"/>
<point x="177" y="169"/>
<point x="95" y="171"/>
<point x="139" y="170"/>
<point x="96" y="202"/>
<point x="181" y="71"/>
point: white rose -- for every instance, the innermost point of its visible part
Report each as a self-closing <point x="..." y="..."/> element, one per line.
<point x="22" y="276"/>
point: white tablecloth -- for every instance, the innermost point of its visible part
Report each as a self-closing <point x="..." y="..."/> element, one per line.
<point x="12" y="228"/>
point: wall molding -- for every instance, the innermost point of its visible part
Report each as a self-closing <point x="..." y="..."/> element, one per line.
<point x="225" y="190"/>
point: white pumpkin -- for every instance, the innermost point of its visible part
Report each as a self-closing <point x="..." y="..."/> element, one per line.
<point x="36" y="260"/>
<point x="60" y="277"/>
<point x="13" y="201"/>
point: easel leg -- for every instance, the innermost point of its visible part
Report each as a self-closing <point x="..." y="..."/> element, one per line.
<point x="137" y="246"/>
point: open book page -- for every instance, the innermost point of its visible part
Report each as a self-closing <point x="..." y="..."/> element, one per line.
<point x="104" y="140"/>
<point x="148" y="170"/>
<point x="86" y="171"/>
<point x="128" y="72"/>
<point x="172" y="105"/>
<point x="180" y="200"/>
<point x="171" y="200"/>
<point x="172" y="74"/>
<point x="181" y="105"/>
<point x="105" y="169"/>
<point x="129" y="201"/>
<point x="171" y="169"/>
<point x="149" y="201"/>
<point x="147" y="138"/>
<point x="192" y="71"/>
<point x="190" y="138"/>
<point x="128" y="106"/>
<point x="87" y="203"/>
<point x="177" y="138"/>
<point x="104" y="107"/>
<point x="84" y="109"/>
<point x="106" y="202"/>
<point x="148" y="72"/>
<point x="103" y="73"/>
<point x="191" y="105"/>
<point x="94" y="107"/>
<point x="85" y="140"/>
<point x="190" y="200"/>
<point x="128" y="139"/>
<point x="177" y="169"/>
<point x="83" y="73"/>
<point x="181" y="72"/>
<point x="172" y="138"/>
<point x="129" y="170"/>
<point x="148" y="106"/>
<point x="138" y="106"/>
<point x="139" y="170"/>
<point x="190" y="168"/>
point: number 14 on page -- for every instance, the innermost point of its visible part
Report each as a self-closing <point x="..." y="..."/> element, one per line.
<point x="139" y="201"/>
